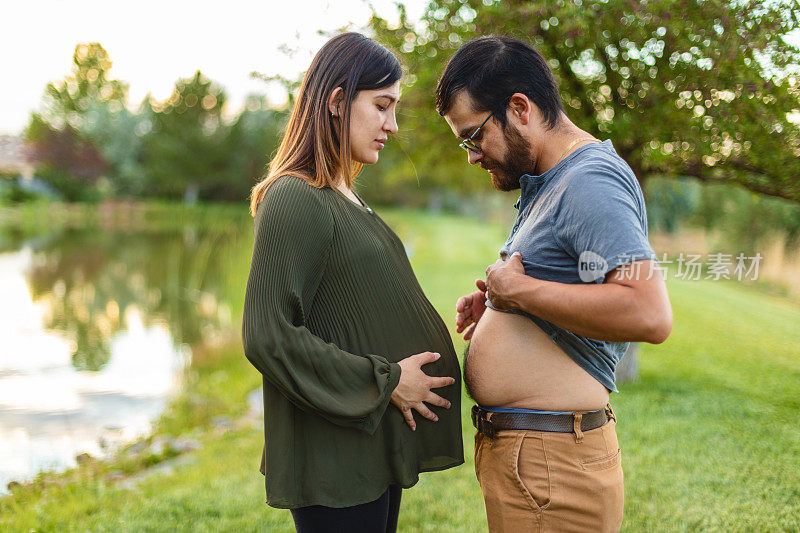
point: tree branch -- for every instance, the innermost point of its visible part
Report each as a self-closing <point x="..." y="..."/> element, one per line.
<point x="704" y="174"/>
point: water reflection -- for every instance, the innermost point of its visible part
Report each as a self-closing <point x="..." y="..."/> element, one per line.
<point x="96" y="327"/>
<point x="87" y="280"/>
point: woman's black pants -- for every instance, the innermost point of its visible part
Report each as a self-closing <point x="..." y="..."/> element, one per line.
<point x="374" y="517"/>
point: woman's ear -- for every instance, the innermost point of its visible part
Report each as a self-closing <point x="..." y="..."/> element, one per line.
<point x="334" y="100"/>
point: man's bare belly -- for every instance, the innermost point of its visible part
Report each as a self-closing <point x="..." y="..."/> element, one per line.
<point x="513" y="363"/>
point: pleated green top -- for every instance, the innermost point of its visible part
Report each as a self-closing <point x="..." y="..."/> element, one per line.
<point x="331" y="305"/>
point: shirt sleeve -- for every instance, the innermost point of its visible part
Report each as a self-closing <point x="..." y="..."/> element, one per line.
<point x="293" y="236"/>
<point x="601" y="220"/>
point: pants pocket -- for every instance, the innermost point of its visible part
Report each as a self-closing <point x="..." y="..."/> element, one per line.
<point x="477" y="455"/>
<point x="531" y="472"/>
<point x="604" y="462"/>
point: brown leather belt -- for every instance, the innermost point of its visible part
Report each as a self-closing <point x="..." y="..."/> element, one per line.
<point x="490" y="425"/>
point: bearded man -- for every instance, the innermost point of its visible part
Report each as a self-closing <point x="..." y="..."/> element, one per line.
<point x="575" y="283"/>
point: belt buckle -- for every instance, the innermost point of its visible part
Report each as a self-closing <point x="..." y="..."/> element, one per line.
<point x="481" y="423"/>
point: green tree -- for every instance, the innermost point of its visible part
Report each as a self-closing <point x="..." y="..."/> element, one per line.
<point x="66" y="102"/>
<point x="66" y="160"/>
<point x="118" y="135"/>
<point x="701" y="88"/>
<point x="184" y="153"/>
<point x="252" y="139"/>
<point x="67" y="156"/>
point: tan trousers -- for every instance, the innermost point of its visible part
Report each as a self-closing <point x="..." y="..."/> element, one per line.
<point x="544" y="481"/>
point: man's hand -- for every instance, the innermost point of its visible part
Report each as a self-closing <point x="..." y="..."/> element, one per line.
<point x="415" y="387"/>
<point x="470" y="308"/>
<point x="501" y="279"/>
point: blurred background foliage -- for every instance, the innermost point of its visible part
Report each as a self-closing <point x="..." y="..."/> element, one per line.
<point x="700" y="97"/>
<point x="87" y="145"/>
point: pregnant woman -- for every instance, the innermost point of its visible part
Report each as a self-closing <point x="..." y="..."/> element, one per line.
<point x="334" y="318"/>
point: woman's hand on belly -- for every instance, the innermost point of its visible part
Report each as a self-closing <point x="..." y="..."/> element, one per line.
<point x="415" y="387"/>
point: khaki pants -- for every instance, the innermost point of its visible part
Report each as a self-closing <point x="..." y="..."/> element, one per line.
<point x="544" y="481"/>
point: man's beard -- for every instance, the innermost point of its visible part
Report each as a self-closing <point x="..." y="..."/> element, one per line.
<point x="518" y="161"/>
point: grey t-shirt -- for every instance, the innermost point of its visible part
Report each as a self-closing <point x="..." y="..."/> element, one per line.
<point x="576" y="222"/>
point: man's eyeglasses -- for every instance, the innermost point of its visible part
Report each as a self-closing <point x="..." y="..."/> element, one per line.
<point x="468" y="144"/>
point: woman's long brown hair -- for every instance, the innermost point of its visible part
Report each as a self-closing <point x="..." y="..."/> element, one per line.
<point x="315" y="146"/>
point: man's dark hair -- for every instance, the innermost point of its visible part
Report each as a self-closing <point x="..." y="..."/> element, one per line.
<point x="491" y="69"/>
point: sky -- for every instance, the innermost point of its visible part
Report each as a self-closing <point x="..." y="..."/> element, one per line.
<point x="154" y="43"/>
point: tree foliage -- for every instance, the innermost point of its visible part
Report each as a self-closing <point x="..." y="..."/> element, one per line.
<point x="87" y="143"/>
<point x="66" y="102"/>
<point x="252" y="140"/>
<point x="66" y="156"/>
<point x="702" y="88"/>
<point x="69" y="163"/>
<point x="119" y="135"/>
<point x="184" y="151"/>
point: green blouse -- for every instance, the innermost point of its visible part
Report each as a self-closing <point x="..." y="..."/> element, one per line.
<point x="331" y="305"/>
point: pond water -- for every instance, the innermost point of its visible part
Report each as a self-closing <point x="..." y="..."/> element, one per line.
<point x="96" y="329"/>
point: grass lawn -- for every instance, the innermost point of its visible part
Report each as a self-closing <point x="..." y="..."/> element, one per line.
<point x="708" y="433"/>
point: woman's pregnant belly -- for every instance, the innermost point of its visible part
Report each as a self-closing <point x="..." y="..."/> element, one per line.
<point x="513" y="363"/>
